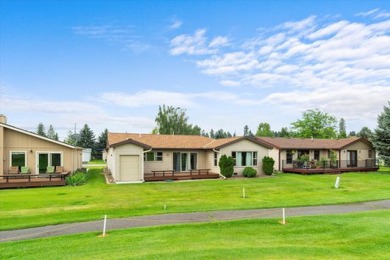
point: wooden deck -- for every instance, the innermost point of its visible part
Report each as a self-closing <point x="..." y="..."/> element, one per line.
<point x="32" y="180"/>
<point x="329" y="170"/>
<point x="167" y="175"/>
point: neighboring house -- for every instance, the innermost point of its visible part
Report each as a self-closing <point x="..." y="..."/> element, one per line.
<point x="348" y="153"/>
<point x="19" y="147"/>
<point x="134" y="157"/>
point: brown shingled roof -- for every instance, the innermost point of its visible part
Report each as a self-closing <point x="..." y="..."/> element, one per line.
<point x="308" y="143"/>
<point x="161" y="141"/>
<point x="176" y="141"/>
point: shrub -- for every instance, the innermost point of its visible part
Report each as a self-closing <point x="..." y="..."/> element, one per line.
<point x="249" y="172"/>
<point x="226" y="165"/>
<point x="77" y="178"/>
<point x="268" y="165"/>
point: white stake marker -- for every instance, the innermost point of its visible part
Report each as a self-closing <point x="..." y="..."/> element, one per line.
<point x="284" y="217"/>
<point x="243" y="192"/>
<point x="104" y="225"/>
<point x="337" y="183"/>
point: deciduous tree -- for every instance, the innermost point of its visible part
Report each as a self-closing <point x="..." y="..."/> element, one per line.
<point x="264" y="129"/>
<point x="316" y="124"/>
<point x="173" y="120"/>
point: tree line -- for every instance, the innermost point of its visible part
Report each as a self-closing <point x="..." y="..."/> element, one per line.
<point x="174" y="121"/>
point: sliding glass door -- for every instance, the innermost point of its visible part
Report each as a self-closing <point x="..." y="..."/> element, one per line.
<point x="45" y="159"/>
<point x="184" y="161"/>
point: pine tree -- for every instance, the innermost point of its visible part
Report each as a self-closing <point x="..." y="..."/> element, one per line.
<point x="381" y="136"/>
<point x="101" y="143"/>
<point x="342" y="129"/>
<point x="41" y="130"/>
<point x="51" y="133"/>
<point x="87" y="138"/>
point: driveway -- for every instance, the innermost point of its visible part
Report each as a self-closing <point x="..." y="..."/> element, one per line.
<point x="182" y="218"/>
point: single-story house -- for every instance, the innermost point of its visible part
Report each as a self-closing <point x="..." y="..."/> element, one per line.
<point x="140" y="157"/>
<point x="23" y="148"/>
<point x="346" y="153"/>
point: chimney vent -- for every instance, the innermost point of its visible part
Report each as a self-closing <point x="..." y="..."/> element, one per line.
<point x="3" y="119"/>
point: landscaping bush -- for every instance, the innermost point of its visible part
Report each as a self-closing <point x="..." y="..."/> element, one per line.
<point x="77" y="178"/>
<point x="226" y="164"/>
<point x="268" y="165"/>
<point x="249" y="172"/>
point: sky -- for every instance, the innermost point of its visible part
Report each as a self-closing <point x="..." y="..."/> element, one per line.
<point x="111" y="64"/>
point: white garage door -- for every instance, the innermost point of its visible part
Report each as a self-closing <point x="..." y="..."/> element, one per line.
<point x="129" y="168"/>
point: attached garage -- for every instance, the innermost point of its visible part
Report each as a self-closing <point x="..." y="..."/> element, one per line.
<point x="129" y="168"/>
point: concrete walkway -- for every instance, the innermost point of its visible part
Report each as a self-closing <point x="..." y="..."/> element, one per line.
<point x="181" y="218"/>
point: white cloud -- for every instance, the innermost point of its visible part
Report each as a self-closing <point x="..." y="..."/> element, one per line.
<point x="196" y="44"/>
<point x="175" y="24"/>
<point x="219" y="41"/>
<point x="375" y="13"/>
<point x="342" y="66"/>
<point x="146" y="98"/>
<point x="123" y="36"/>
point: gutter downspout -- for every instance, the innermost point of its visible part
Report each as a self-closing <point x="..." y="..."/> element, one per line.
<point x="143" y="166"/>
<point x="220" y="175"/>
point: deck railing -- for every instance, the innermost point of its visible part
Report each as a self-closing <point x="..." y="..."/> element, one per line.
<point x="331" y="164"/>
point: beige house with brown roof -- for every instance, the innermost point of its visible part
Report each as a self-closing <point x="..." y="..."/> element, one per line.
<point x="140" y="157"/>
<point x="22" y="148"/>
<point x="350" y="153"/>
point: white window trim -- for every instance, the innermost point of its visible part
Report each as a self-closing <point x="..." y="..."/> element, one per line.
<point x="25" y="157"/>
<point x="252" y="158"/>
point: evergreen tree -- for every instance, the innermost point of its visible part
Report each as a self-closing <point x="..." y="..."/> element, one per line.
<point x="342" y="129"/>
<point x="71" y="138"/>
<point x="87" y="138"/>
<point x="246" y="130"/>
<point x="365" y="132"/>
<point x="41" y="130"/>
<point x="101" y="143"/>
<point x="352" y="133"/>
<point x="51" y="133"/>
<point x="212" y="134"/>
<point x="381" y="136"/>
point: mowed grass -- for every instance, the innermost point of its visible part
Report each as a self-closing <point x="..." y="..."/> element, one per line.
<point x="348" y="236"/>
<point x="21" y="208"/>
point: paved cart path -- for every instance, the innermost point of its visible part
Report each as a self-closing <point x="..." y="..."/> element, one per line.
<point x="181" y="218"/>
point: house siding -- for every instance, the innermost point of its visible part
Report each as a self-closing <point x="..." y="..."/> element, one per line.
<point x="113" y="160"/>
<point x="14" y="141"/>
<point x="246" y="146"/>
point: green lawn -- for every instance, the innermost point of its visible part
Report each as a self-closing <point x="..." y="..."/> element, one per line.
<point x="348" y="236"/>
<point x="31" y="207"/>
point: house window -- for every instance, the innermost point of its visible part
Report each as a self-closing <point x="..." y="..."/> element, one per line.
<point x="18" y="159"/>
<point x="215" y="159"/>
<point x="370" y="154"/>
<point x="317" y="155"/>
<point x="153" y="156"/>
<point x="244" y="158"/>
<point x="289" y="157"/>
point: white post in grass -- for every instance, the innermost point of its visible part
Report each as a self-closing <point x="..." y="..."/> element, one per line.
<point x="104" y="225"/>
<point x="337" y="183"/>
<point x="243" y="192"/>
<point x="284" y="217"/>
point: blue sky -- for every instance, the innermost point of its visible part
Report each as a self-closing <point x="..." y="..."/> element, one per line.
<point x="110" y="64"/>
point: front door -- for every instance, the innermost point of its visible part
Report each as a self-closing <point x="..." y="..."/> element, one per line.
<point x="43" y="162"/>
<point x="351" y="158"/>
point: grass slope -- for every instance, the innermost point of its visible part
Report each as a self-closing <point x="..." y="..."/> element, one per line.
<point x="31" y="207"/>
<point x="348" y="236"/>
